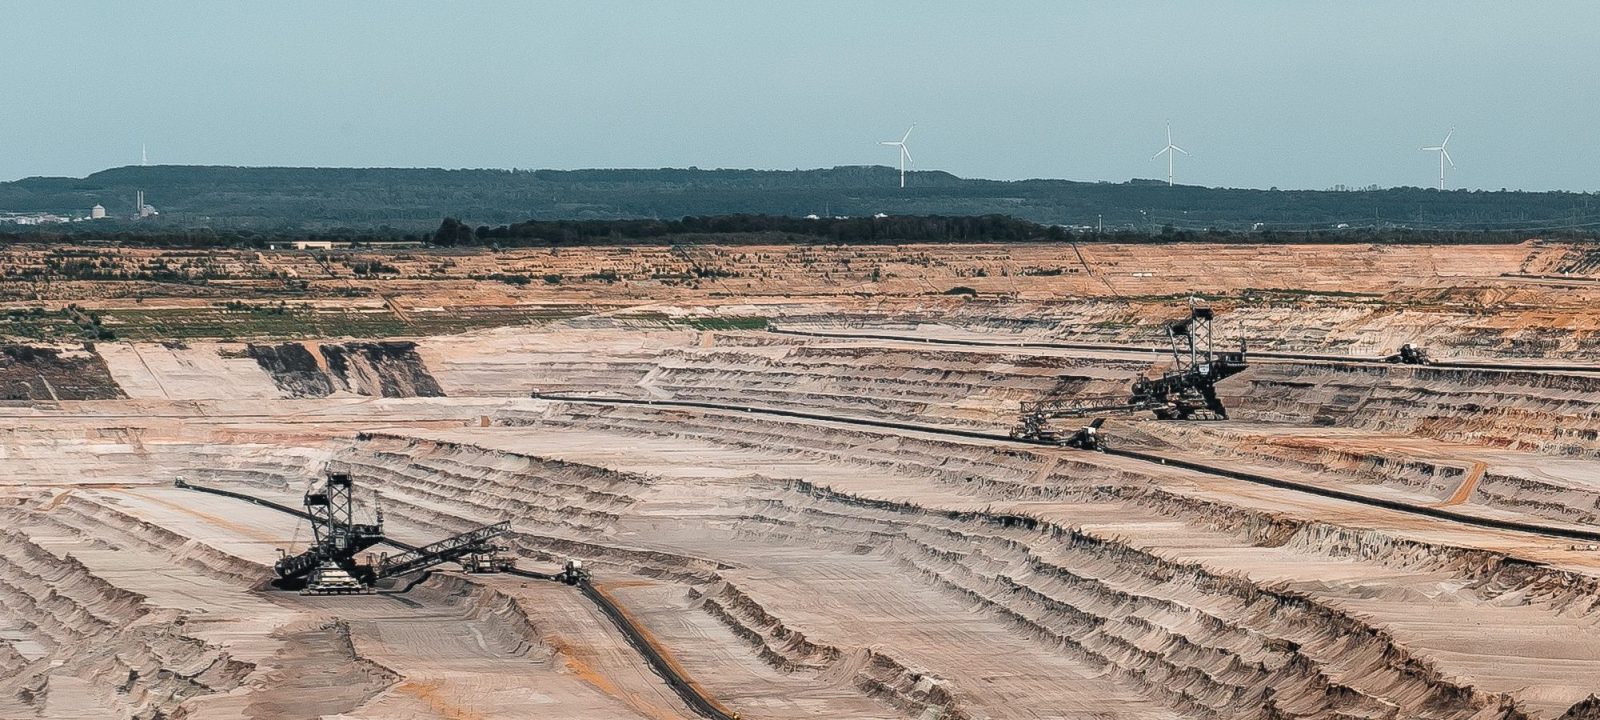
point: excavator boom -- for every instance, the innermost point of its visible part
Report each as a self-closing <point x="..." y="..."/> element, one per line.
<point x="446" y="550"/>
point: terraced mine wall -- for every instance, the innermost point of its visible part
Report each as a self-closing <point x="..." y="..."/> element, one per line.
<point x="1013" y="475"/>
<point x="1199" y="637"/>
<point x="378" y="369"/>
<point x="1057" y="585"/>
<point x="293" y="369"/>
<point x="1439" y="478"/>
<point x="1552" y="323"/>
<point x="81" y="626"/>
<point x="46" y="373"/>
<point x="1357" y="298"/>
<point x="1202" y="642"/>
<point x="924" y="566"/>
<point x="1549" y="413"/>
<point x="381" y="369"/>
<point x="945" y="386"/>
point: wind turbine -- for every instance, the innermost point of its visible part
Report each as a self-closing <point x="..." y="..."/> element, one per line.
<point x="1444" y="155"/>
<point x="905" y="155"/>
<point x="1168" y="151"/>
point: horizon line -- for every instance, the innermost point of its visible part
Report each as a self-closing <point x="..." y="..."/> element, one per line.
<point x="886" y="168"/>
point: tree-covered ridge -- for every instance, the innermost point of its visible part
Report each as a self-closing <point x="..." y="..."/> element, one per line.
<point x="761" y="229"/>
<point x="898" y="228"/>
<point x="413" y="200"/>
<point x="726" y="230"/>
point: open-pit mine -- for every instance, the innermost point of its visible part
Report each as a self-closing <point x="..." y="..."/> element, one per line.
<point x="801" y="481"/>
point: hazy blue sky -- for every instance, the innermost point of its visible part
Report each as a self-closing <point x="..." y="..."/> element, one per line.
<point x="1269" y="93"/>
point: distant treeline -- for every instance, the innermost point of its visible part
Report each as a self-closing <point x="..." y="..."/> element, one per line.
<point x="324" y="200"/>
<point x="747" y="229"/>
<point x="755" y="229"/>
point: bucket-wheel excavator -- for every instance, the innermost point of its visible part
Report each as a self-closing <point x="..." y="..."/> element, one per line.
<point x="330" y="565"/>
<point x="1186" y="392"/>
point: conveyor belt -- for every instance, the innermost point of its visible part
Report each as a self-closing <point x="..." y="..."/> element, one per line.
<point x="691" y="693"/>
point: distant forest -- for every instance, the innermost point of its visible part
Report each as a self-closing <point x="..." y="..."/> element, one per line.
<point x="243" y="202"/>
<point x="752" y="228"/>
<point x="744" y="230"/>
<point x="734" y="229"/>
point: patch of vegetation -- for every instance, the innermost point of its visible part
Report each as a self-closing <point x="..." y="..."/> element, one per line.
<point x="281" y="308"/>
<point x="372" y="268"/>
<point x="768" y="228"/>
<point x="89" y="324"/>
<point x="509" y="279"/>
<point x="1306" y="292"/>
<point x="729" y="323"/>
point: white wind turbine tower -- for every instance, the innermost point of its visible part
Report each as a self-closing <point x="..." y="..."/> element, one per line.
<point x="1168" y="151"/>
<point x="905" y="154"/>
<point x="1444" y="155"/>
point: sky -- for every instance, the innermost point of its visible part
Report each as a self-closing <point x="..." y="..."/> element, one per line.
<point x="1262" y="94"/>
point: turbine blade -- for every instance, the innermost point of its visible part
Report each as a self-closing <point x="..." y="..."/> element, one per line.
<point x="1447" y="137"/>
<point x="908" y="132"/>
<point x="1447" y="157"/>
<point x="1434" y="148"/>
<point x="891" y="142"/>
<point x="1159" y="153"/>
<point x="905" y="151"/>
<point x="1179" y="149"/>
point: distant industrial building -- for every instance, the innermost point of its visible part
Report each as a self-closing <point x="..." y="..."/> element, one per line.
<point x="97" y="212"/>
<point x="32" y="219"/>
<point x="143" y="209"/>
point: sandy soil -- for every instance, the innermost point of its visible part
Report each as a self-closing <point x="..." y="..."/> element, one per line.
<point x="800" y="568"/>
